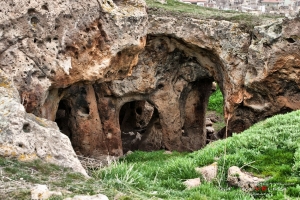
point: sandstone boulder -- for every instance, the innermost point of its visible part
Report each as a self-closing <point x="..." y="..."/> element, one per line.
<point x="41" y="192"/>
<point x="191" y="183"/>
<point x="244" y="180"/>
<point x="209" y="173"/>
<point x="27" y="137"/>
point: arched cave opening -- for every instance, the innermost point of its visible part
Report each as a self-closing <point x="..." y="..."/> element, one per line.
<point x="62" y="118"/>
<point x="138" y="120"/>
<point x="215" y="122"/>
<point x="203" y="118"/>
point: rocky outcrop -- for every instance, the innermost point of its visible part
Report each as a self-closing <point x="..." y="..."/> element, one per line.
<point x="53" y="51"/>
<point x="28" y="137"/>
<point x="111" y="75"/>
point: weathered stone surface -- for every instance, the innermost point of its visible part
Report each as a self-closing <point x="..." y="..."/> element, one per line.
<point x="41" y="192"/>
<point x="209" y="172"/>
<point x="27" y="137"/>
<point x="245" y="181"/>
<point x="45" y="48"/>
<point x="177" y="87"/>
<point x="47" y="45"/>
<point x="191" y="183"/>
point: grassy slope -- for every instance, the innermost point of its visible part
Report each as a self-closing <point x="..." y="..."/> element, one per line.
<point x="269" y="149"/>
<point x="271" y="146"/>
<point x="174" y="7"/>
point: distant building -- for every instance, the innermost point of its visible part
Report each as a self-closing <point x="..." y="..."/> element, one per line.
<point x="250" y="2"/>
<point x="275" y="4"/>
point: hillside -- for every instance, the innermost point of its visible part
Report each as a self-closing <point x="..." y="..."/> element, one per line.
<point x="268" y="149"/>
<point x="176" y="8"/>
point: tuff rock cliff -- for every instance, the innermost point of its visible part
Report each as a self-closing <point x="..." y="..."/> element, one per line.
<point x="107" y="70"/>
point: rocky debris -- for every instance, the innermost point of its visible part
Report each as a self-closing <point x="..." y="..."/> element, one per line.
<point x="86" y="197"/>
<point x="211" y="134"/>
<point x="208" y="122"/>
<point x="244" y="180"/>
<point x="27" y="137"/>
<point x="191" y="183"/>
<point x="210" y="130"/>
<point x="209" y="173"/>
<point x="41" y="192"/>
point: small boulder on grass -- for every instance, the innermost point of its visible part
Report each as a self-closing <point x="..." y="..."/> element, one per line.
<point x="244" y="180"/>
<point x="168" y="152"/>
<point x="41" y="192"/>
<point x="191" y="183"/>
<point x="209" y="172"/>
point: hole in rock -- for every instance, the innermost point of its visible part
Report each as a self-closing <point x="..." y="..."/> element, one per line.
<point x="135" y="119"/>
<point x="45" y="7"/>
<point x="30" y="11"/>
<point x="290" y="40"/>
<point x="26" y="127"/>
<point x="34" y="20"/>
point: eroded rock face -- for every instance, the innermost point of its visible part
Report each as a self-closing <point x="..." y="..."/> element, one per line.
<point x="49" y="50"/>
<point x="104" y="69"/>
<point x="27" y="137"/>
<point x="55" y="45"/>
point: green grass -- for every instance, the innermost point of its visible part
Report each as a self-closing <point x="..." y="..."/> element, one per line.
<point x="270" y="146"/>
<point x="269" y="149"/>
<point x="216" y="101"/>
<point x="176" y="8"/>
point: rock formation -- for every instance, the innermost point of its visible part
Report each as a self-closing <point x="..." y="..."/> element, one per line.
<point x="106" y="70"/>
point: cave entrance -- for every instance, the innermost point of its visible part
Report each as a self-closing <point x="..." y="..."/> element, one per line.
<point x="201" y="115"/>
<point x="62" y="118"/>
<point x="137" y="119"/>
<point x="215" y="122"/>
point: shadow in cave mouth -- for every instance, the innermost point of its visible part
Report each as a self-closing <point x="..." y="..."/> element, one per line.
<point x="62" y="118"/>
<point x="138" y="121"/>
